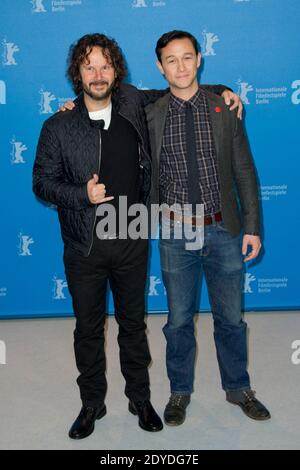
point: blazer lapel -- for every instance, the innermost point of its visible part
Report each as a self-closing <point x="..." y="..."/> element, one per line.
<point x="216" y="118"/>
<point x="160" y="115"/>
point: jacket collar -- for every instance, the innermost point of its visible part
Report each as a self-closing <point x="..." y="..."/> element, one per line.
<point x="82" y="109"/>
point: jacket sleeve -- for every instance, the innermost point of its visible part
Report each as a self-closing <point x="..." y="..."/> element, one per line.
<point x="49" y="179"/>
<point x="245" y="177"/>
<point x="150" y="96"/>
<point x="216" y="89"/>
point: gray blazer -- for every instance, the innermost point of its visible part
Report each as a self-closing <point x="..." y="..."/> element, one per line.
<point x="237" y="175"/>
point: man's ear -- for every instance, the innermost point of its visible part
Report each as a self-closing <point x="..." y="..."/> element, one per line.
<point x="160" y="68"/>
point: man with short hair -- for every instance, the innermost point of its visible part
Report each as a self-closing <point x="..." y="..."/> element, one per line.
<point x="200" y="159"/>
<point x="93" y="154"/>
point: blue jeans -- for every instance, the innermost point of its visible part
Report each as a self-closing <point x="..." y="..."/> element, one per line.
<point x="220" y="259"/>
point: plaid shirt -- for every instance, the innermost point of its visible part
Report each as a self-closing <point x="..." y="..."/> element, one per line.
<point x="173" y="166"/>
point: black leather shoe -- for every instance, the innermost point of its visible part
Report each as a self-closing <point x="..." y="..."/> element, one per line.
<point x="250" y="405"/>
<point x="174" y="414"/>
<point x="84" y="425"/>
<point x="148" y="418"/>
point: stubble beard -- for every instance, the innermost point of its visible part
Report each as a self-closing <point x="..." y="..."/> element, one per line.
<point x="102" y="96"/>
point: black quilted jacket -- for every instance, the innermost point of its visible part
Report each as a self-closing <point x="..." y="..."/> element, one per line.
<point x="68" y="156"/>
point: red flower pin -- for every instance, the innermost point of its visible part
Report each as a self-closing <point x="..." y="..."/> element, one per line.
<point x="218" y="109"/>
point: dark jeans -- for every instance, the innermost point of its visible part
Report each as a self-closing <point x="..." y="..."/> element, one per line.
<point x="124" y="264"/>
<point x="221" y="261"/>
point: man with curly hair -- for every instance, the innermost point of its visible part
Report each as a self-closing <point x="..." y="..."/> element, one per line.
<point x="93" y="154"/>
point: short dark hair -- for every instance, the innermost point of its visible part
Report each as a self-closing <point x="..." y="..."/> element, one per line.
<point x="80" y="51"/>
<point x="170" y="36"/>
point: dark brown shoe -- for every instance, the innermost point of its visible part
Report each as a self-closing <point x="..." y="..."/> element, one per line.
<point x="250" y="405"/>
<point x="175" y="410"/>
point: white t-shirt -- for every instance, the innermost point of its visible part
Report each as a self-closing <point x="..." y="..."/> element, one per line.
<point x="104" y="114"/>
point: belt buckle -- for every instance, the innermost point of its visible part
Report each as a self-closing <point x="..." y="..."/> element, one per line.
<point x="214" y="217"/>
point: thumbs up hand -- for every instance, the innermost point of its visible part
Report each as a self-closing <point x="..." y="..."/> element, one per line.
<point x="96" y="191"/>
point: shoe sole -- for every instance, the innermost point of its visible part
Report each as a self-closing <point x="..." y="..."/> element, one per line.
<point x="99" y="416"/>
<point x="135" y="413"/>
<point x="173" y="423"/>
<point x="249" y="416"/>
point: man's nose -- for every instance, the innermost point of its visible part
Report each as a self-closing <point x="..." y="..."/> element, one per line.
<point x="181" y="66"/>
<point x="98" y="74"/>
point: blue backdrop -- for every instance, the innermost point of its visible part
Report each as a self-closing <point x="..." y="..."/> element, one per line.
<point x="250" y="45"/>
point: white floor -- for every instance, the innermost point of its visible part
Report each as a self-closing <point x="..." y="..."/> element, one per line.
<point x="40" y="399"/>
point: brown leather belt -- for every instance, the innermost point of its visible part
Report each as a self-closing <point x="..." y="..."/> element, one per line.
<point x="196" y="221"/>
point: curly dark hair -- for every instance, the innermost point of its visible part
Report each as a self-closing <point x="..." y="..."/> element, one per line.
<point x="80" y="51"/>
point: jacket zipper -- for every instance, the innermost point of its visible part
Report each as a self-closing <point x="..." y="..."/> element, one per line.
<point x="139" y="134"/>
<point x="99" y="164"/>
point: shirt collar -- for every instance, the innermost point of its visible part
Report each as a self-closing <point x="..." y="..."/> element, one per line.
<point x="196" y="100"/>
